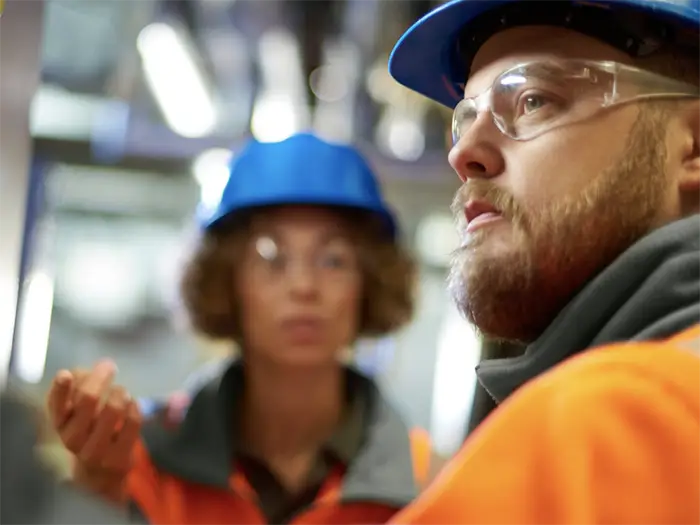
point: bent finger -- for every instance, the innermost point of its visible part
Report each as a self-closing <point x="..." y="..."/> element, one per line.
<point x="98" y="443"/>
<point x="58" y="401"/>
<point x="124" y="441"/>
<point x="97" y="383"/>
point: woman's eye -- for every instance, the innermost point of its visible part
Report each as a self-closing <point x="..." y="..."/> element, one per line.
<point x="335" y="261"/>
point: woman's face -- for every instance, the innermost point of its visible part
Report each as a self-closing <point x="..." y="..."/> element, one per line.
<point x="300" y="286"/>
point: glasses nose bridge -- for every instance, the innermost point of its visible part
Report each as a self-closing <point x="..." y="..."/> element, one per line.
<point x="483" y="101"/>
<point x="480" y="103"/>
<point x="482" y="114"/>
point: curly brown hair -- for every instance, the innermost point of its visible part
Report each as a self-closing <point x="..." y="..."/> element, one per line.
<point x="208" y="293"/>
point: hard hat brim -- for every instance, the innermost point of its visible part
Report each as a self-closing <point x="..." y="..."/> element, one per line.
<point x="383" y="215"/>
<point x="425" y="58"/>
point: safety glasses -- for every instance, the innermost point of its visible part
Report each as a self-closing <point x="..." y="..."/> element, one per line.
<point x="530" y="99"/>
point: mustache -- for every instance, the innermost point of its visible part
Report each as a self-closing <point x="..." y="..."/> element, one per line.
<point x="483" y="190"/>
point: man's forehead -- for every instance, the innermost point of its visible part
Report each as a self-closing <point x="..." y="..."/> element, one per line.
<point x="528" y="43"/>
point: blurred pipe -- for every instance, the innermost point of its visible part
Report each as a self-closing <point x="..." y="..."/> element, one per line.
<point x="20" y="44"/>
<point x="361" y="22"/>
<point x="335" y="85"/>
<point x="231" y="58"/>
<point x="314" y="22"/>
<point x="35" y="302"/>
<point x="362" y="25"/>
<point x="36" y="204"/>
<point x="123" y="81"/>
<point x="185" y="11"/>
<point x="35" y="295"/>
<point x="33" y="327"/>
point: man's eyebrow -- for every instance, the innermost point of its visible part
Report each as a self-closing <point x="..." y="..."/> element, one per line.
<point x="470" y="91"/>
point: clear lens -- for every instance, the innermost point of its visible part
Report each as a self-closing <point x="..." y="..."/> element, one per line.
<point x="269" y="261"/>
<point x="463" y="116"/>
<point x="530" y="99"/>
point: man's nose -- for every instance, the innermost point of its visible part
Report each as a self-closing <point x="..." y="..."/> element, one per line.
<point x="476" y="154"/>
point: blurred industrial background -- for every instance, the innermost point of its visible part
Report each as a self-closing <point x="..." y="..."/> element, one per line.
<point x="117" y="121"/>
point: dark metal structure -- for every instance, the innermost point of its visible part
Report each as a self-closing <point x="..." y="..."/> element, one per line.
<point x="89" y="47"/>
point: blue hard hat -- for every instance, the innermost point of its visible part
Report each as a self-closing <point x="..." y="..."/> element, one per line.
<point x="302" y="169"/>
<point x="434" y="55"/>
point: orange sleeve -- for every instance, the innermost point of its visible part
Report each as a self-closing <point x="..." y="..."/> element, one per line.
<point x="143" y="489"/>
<point x="612" y="436"/>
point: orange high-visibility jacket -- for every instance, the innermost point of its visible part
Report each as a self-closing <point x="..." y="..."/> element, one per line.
<point x="609" y="436"/>
<point x="187" y="473"/>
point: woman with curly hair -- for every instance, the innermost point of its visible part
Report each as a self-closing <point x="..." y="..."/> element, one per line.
<point x="300" y="259"/>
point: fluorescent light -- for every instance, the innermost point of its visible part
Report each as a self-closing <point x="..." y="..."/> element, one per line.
<point x="34" y="327"/>
<point x="211" y="170"/>
<point x="56" y="112"/>
<point x="458" y="353"/>
<point x="401" y="134"/>
<point x="280" y="64"/>
<point x="103" y="285"/>
<point x="329" y="83"/>
<point x="275" y="118"/>
<point x="280" y="110"/>
<point x="176" y="81"/>
<point x="437" y="239"/>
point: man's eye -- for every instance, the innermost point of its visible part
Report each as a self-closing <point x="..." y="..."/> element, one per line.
<point x="533" y="103"/>
<point x="529" y="103"/>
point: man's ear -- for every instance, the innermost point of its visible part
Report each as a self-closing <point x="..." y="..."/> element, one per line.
<point x="690" y="121"/>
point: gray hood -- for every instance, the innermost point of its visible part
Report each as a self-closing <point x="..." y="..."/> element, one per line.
<point x="199" y="449"/>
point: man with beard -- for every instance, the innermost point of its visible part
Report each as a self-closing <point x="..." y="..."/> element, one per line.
<point x="577" y="138"/>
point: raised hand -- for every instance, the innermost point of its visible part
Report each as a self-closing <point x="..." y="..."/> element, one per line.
<point x="97" y="421"/>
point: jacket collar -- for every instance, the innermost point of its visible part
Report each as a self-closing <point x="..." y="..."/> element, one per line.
<point x="201" y="448"/>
